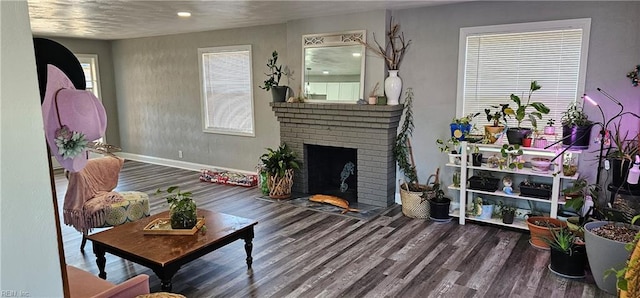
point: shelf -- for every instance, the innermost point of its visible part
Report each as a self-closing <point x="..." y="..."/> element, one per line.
<point x="524" y="171"/>
<point x="453" y="165"/>
<point x="496" y="148"/>
<point x="453" y="187"/>
<point x="517" y="222"/>
<point x="503" y="194"/>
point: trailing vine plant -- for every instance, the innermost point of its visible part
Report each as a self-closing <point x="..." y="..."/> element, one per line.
<point x="402" y="146"/>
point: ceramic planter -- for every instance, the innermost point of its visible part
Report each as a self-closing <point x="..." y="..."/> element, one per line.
<point x="539" y="233"/>
<point x="459" y="131"/>
<point x="549" y="130"/>
<point x="476" y="159"/>
<point x="515" y="135"/>
<point x="493" y="133"/>
<point x="279" y="93"/>
<point x="604" y="254"/>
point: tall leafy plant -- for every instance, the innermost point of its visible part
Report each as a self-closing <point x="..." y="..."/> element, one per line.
<point x="521" y="112"/>
<point x="402" y="147"/>
<point x="275" y="72"/>
<point x="277" y="162"/>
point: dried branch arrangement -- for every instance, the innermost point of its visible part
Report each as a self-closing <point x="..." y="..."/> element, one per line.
<point x="395" y="49"/>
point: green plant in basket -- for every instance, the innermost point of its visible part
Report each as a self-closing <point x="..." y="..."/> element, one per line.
<point x="181" y="207"/>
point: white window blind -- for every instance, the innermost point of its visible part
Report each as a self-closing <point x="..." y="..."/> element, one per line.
<point x="227" y="92"/>
<point x="501" y="60"/>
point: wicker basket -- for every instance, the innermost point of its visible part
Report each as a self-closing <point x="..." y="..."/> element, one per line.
<point x="415" y="204"/>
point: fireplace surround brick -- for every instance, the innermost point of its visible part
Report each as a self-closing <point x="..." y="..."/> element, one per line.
<point x="370" y="129"/>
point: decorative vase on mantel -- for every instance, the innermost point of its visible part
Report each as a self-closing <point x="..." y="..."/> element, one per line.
<point x="393" y="88"/>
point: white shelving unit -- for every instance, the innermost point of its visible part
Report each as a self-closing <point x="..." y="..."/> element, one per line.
<point x="467" y="170"/>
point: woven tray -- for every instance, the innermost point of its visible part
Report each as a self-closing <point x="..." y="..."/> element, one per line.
<point x="162" y="226"/>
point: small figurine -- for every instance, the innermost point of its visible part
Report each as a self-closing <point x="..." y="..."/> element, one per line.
<point x="506" y="181"/>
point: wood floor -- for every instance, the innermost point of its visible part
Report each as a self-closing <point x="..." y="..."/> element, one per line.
<point x="303" y="253"/>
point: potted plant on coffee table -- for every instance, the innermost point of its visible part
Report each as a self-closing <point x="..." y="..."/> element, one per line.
<point x="279" y="164"/>
<point x="182" y="208"/>
<point x="568" y="254"/>
<point x="494" y="130"/>
<point x="516" y="134"/>
<point x="576" y="127"/>
<point x="279" y="93"/>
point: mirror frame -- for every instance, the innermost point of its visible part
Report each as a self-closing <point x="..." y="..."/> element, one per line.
<point x="346" y="38"/>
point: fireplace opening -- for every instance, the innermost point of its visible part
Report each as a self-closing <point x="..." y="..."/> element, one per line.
<point x="332" y="171"/>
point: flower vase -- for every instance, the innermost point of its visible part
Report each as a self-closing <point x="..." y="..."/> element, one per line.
<point x="393" y="87"/>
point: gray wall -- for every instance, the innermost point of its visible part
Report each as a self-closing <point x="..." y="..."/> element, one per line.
<point x="29" y="260"/>
<point x="159" y="105"/>
<point x="102" y="48"/>
<point x="430" y="66"/>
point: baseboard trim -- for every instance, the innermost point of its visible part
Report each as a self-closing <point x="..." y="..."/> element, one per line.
<point x="175" y="163"/>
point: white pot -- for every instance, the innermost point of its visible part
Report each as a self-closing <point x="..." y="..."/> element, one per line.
<point x="393" y="88"/>
<point x="454" y="158"/>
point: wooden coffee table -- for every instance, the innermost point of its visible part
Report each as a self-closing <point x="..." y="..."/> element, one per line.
<point x="165" y="254"/>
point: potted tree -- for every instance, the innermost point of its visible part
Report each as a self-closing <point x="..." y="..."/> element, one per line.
<point x="568" y="254"/>
<point x="182" y="208"/>
<point x="279" y="165"/>
<point x="412" y="193"/>
<point x="494" y="130"/>
<point x="516" y="134"/>
<point x="576" y="127"/>
<point x="279" y="93"/>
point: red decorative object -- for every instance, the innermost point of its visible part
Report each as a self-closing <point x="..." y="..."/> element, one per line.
<point x="231" y="178"/>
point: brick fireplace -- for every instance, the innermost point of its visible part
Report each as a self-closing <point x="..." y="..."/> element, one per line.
<point x="369" y="129"/>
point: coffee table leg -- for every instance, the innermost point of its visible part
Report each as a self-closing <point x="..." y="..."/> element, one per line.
<point x="100" y="259"/>
<point x="165" y="275"/>
<point x="248" y="246"/>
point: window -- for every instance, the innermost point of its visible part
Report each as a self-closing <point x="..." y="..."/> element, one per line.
<point x="226" y="88"/>
<point x="496" y="61"/>
<point x="89" y="63"/>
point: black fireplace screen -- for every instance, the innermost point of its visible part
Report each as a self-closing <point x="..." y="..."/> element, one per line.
<point x="332" y="171"/>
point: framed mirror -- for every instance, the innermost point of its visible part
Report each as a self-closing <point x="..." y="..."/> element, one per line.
<point x="333" y="67"/>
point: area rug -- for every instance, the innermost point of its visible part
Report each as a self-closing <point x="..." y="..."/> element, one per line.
<point x="366" y="212"/>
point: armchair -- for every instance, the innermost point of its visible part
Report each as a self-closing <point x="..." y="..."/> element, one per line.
<point x="83" y="284"/>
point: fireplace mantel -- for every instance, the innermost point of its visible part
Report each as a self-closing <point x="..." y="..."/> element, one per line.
<point x="370" y="129"/>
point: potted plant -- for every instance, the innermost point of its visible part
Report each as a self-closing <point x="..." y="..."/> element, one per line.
<point x="541" y="228"/>
<point x="622" y="156"/>
<point x="279" y="93"/>
<point x="568" y="254"/>
<point x="507" y="212"/>
<point x="452" y="147"/>
<point x="494" y="130"/>
<point x="605" y="244"/>
<point x="476" y="156"/>
<point x="516" y="134"/>
<point x="182" y="208"/>
<point x="576" y="127"/>
<point x="439" y="205"/>
<point x="513" y="153"/>
<point x="279" y="165"/>
<point x="550" y="129"/>
<point x="460" y="127"/>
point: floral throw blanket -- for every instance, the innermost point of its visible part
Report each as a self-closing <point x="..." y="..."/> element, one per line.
<point x="226" y="177"/>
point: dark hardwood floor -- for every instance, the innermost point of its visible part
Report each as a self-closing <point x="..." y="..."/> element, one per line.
<point x="302" y="253"/>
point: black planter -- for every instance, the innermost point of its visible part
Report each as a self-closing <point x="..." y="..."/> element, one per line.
<point x="483" y="183"/>
<point x="619" y="173"/>
<point x="439" y="210"/>
<point x="476" y="159"/>
<point x="507" y="216"/>
<point x="279" y="93"/>
<point x="515" y="135"/>
<point x="569" y="265"/>
<point x="577" y="137"/>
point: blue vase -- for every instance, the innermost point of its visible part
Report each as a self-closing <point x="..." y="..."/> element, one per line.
<point x="487" y="211"/>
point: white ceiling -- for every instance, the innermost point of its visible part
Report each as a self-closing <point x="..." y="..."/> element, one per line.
<point x="118" y="19"/>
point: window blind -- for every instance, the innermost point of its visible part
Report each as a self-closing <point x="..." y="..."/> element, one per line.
<point x="227" y="90"/>
<point x="499" y="64"/>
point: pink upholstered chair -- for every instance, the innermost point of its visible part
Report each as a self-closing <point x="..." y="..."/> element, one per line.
<point x="83" y="284"/>
<point x="90" y="201"/>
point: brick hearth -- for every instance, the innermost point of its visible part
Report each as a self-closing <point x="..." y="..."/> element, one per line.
<point x="370" y="129"/>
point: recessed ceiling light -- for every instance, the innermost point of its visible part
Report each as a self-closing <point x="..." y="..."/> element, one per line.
<point x="356" y="54"/>
<point x="184" y="14"/>
<point x="325" y="72"/>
